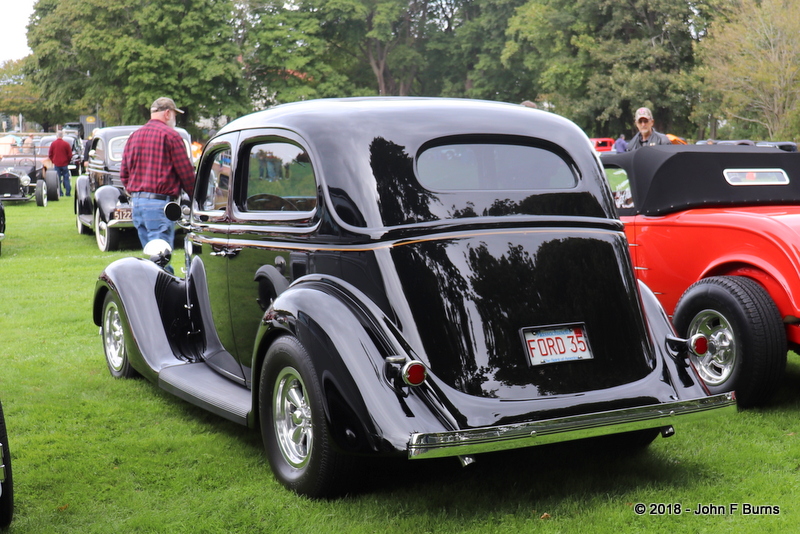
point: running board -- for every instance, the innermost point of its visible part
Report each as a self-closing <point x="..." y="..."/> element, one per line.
<point x="198" y="384"/>
<point x="86" y="220"/>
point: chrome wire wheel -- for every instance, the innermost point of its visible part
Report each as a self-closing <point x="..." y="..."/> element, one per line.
<point x="716" y="366"/>
<point x="113" y="337"/>
<point x="292" y="417"/>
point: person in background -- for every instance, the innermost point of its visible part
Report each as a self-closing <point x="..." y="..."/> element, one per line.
<point x="647" y="136"/>
<point x="621" y="145"/>
<point x="60" y="153"/>
<point x="155" y="167"/>
<point x="29" y="144"/>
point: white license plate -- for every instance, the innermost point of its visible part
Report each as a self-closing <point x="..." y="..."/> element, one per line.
<point x="554" y="344"/>
<point x="123" y="214"/>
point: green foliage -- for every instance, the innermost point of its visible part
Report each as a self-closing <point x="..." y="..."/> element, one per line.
<point x="697" y="63"/>
<point x="94" y="455"/>
<point x="120" y="55"/>
<point x="599" y="60"/>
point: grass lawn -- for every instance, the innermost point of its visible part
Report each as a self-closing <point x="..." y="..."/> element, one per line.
<point x="92" y="454"/>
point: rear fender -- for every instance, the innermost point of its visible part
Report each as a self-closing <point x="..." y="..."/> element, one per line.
<point x="105" y="199"/>
<point x="149" y="296"/>
<point x="677" y="370"/>
<point x="346" y="337"/>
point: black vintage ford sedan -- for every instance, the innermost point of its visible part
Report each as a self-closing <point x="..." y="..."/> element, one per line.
<point x="403" y="277"/>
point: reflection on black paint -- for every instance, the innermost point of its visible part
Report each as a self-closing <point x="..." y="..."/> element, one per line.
<point x="572" y="280"/>
<point x="402" y="199"/>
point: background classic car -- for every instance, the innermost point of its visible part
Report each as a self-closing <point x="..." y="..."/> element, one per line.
<point x="75" y="142"/>
<point x="102" y="205"/>
<point x="403" y="277"/>
<point x="713" y="231"/>
<point x="23" y="176"/>
<point x="2" y="225"/>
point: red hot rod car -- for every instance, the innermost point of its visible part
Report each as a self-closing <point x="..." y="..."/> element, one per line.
<point x="714" y="231"/>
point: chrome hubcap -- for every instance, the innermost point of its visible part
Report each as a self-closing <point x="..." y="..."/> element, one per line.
<point x="113" y="337"/>
<point x="716" y="365"/>
<point x="292" y="415"/>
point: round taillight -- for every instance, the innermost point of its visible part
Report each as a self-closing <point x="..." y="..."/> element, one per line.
<point x="414" y="373"/>
<point x="699" y="344"/>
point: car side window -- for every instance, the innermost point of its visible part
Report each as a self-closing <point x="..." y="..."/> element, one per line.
<point x="278" y="177"/>
<point x="100" y="149"/>
<point x="116" y="148"/>
<point x="620" y="187"/>
<point x="213" y="183"/>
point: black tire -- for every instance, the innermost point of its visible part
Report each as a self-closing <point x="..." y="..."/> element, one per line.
<point x="299" y="448"/>
<point x="51" y="179"/>
<point x="747" y="338"/>
<point x="7" y="485"/>
<point x="41" y="193"/>
<point x="115" y="338"/>
<point x="107" y="237"/>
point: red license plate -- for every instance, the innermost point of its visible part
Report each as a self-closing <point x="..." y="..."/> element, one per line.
<point x="553" y="344"/>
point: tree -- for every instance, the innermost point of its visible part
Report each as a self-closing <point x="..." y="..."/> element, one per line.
<point x="120" y="55"/>
<point x="596" y="61"/>
<point x="464" y="58"/>
<point x="754" y="59"/>
<point x="286" y="58"/>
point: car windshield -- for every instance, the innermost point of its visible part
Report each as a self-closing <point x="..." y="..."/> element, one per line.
<point x="493" y="167"/>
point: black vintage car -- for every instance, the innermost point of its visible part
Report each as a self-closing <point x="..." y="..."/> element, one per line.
<point x="102" y="206"/>
<point x="2" y="225"/>
<point x="403" y="277"/>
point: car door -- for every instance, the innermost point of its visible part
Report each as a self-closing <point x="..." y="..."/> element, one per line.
<point x="274" y="207"/>
<point x="209" y="251"/>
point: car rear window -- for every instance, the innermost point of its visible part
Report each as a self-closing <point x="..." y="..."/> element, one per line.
<point x="756" y="177"/>
<point x="493" y="167"/>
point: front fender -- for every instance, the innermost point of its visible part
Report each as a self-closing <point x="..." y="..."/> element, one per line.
<point x="147" y="294"/>
<point x="105" y="199"/>
<point x="347" y="340"/>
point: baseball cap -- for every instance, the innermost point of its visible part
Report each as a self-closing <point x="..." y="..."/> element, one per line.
<point x="643" y="112"/>
<point x="163" y="104"/>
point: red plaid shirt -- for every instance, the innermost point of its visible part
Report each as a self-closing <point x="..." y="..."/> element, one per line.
<point x="155" y="161"/>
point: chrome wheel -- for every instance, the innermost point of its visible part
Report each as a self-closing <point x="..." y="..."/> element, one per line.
<point x="113" y="337"/>
<point x="292" y="417"/>
<point x="716" y="365"/>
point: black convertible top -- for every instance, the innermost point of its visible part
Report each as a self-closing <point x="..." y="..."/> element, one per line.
<point x="669" y="178"/>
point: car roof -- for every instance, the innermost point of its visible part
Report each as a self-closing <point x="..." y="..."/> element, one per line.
<point x="368" y="145"/>
<point x="110" y="132"/>
<point x="669" y="178"/>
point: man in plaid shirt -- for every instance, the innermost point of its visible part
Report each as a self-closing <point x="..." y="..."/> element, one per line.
<point x="155" y="167"/>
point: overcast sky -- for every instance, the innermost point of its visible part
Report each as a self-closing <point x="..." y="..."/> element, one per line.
<point x="15" y="17"/>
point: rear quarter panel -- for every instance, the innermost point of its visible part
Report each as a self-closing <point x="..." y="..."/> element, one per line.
<point x="672" y="252"/>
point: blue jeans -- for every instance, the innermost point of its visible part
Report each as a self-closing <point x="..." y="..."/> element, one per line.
<point x="150" y="221"/>
<point x="63" y="180"/>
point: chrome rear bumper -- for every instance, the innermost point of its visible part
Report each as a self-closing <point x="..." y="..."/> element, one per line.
<point x="497" y="438"/>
